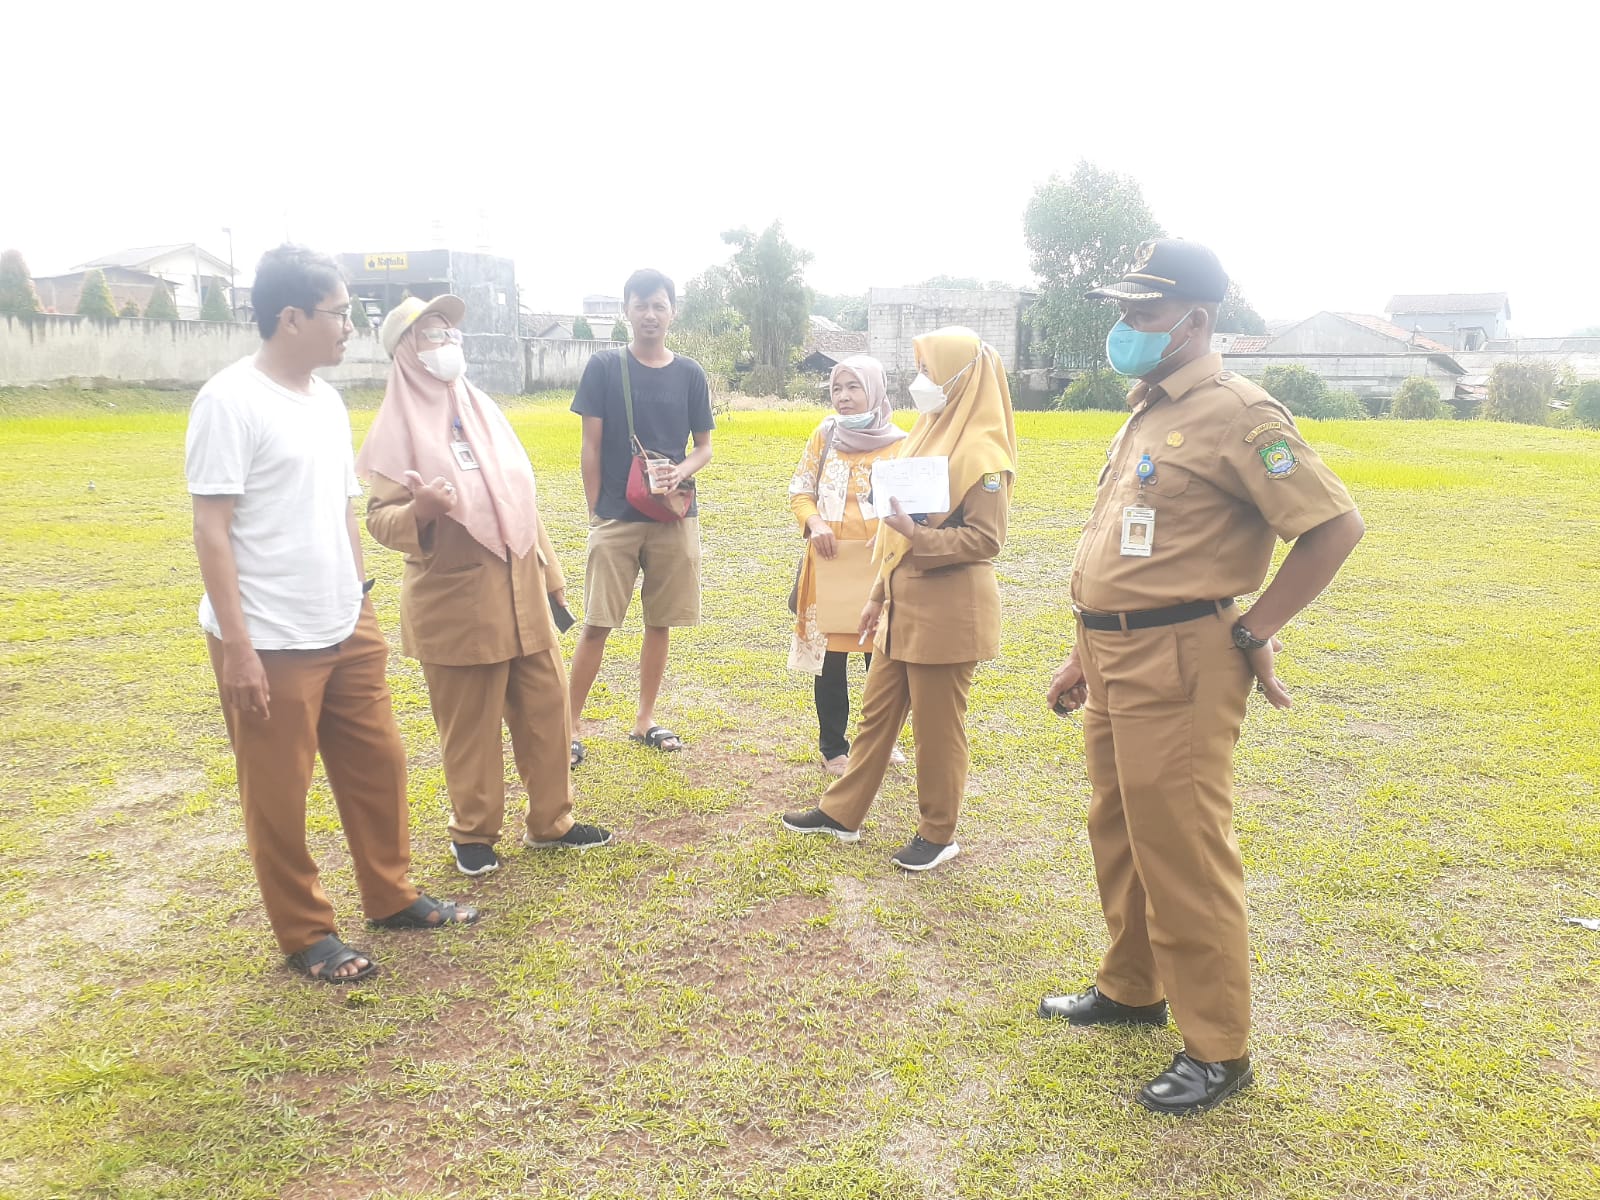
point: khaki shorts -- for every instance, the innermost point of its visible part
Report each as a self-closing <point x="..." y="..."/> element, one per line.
<point x="669" y="556"/>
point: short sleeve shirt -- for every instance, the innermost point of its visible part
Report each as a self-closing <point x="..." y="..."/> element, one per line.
<point x="286" y="456"/>
<point x="1228" y="474"/>
<point x="670" y="404"/>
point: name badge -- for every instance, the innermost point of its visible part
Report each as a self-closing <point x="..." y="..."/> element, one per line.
<point x="465" y="459"/>
<point x="1138" y="530"/>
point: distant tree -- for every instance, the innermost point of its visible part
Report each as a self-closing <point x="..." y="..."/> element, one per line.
<point x="95" y="299"/>
<point x="1080" y="233"/>
<point x="706" y="304"/>
<point x="1340" y="406"/>
<point x="619" y="331"/>
<point x="1103" y="389"/>
<point x="161" y="307"/>
<point x="769" y="291"/>
<point x="1299" y="389"/>
<point x="1417" y="399"/>
<point x="17" y="297"/>
<point x="1586" y="406"/>
<point x="130" y="309"/>
<point x="1236" y="315"/>
<point x="848" y="311"/>
<point x="358" y="313"/>
<point x="581" y="330"/>
<point x="1521" y="392"/>
<point x="214" y="308"/>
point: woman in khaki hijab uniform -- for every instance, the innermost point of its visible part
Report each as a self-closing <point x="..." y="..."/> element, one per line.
<point x="453" y="490"/>
<point x="934" y="612"/>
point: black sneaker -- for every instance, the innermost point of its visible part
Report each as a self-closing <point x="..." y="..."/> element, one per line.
<point x="474" y="858"/>
<point x="919" y="855"/>
<point x="814" y="820"/>
<point x="579" y="837"/>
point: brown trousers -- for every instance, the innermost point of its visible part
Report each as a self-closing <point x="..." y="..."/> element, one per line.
<point x="335" y="702"/>
<point x="529" y="694"/>
<point x="1163" y="716"/>
<point x="935" y="694"/>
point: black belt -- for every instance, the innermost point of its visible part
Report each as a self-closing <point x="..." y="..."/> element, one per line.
<point x="1152" y="618"/>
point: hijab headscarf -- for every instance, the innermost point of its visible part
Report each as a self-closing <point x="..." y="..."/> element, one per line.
<point x="882" y="431"/>
<point x="974" y="429"/>
<point x="496" y="504"/>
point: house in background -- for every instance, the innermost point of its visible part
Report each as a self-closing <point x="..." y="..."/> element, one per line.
<point x="827" y="345"/>
<point x="1461" y="321"/>
<point x="896" y="315"/>
<point x="187" y="270"/>
<point x="1352" y="352"/>
<point x="60" y="293"/>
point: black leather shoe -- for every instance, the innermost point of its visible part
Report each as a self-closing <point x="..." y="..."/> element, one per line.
<point x="1190" y="1086"/>
<point x="1094" y="1008"/>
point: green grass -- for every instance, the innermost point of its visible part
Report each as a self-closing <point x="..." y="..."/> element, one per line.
<point x="711" y="1008"/>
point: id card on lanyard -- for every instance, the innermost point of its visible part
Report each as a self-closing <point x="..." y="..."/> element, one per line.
<point x="462" y="449"/>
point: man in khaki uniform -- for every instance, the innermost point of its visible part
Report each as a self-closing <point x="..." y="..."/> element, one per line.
<point x="1205" y="473"/>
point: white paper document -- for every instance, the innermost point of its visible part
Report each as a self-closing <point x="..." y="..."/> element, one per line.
<point x="922" y="485"/>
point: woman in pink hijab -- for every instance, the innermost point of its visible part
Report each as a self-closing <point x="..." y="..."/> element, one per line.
<point x="453" y="490"/>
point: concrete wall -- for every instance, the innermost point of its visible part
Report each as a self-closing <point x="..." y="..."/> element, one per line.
<point x="559" y="362"/>
<point x="1584" y="364"/>
<point x="896" y="315"/>
<point x="495" y="362"/>
<point x="1374" y="376"/>
<point x="176" y="354"/>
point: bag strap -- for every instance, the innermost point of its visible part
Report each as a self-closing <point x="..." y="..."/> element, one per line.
<point x="627" y="395"/>
<point x="833" y="428"/>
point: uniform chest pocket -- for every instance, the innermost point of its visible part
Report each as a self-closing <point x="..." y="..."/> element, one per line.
<point x="1170" y="480"/>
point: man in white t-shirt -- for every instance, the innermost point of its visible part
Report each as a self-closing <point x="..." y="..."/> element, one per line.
<point x="299" y="659"/>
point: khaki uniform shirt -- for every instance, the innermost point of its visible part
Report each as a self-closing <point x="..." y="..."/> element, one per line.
<point x="941" y="601"/>
<point x="1231" y="471"/>
<point x="460" y="605"/>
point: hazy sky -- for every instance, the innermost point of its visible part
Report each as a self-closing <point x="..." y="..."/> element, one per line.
<point x="1332" y="154"/>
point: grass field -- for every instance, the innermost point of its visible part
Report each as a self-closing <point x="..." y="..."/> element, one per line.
<point x="714" y="1008"/>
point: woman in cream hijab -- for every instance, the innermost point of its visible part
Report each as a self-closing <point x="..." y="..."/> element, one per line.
<point x="453" y="490"/>
<point x="934" y="610"/>
<point x="830" y="495"/>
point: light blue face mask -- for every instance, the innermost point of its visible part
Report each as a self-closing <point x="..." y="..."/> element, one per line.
<point x="1134" y="352"/>
<point x="856" y="421"/>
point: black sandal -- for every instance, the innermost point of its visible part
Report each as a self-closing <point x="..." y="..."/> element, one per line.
<point x="577" y="752"/>
<point x="329" y="953"/>
<point x="427" y="913"/>
<point x="657" y="737"/>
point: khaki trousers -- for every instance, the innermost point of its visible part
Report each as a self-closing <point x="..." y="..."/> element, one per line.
<point x="335" y="702"/>
<point x="935" y="694"/>
<point x="529" y="694"/>
<point x="1163" y="716"/>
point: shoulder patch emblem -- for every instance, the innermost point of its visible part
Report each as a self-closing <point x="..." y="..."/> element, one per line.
<point x="1279" y="459"/>
<point x="991" y="481"/>
<point x="1174" y="439"/>
<point x="1264" y="427"/>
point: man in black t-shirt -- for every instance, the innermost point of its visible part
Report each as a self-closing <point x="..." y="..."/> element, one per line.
<point x="671" y="406"/>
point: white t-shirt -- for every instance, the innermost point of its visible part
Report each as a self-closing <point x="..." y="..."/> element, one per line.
<point x="287" y="458"/>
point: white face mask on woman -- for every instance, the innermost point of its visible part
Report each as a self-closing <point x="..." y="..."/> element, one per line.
<point x="446" y="364"/>
<point x="930" y="397"/>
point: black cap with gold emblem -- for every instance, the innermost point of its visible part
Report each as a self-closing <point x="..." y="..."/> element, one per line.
<point x="1169" y="268"/>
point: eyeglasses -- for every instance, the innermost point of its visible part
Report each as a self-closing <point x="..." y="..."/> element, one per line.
<point x="342" y="313"/>
<point x="440" y="336"/>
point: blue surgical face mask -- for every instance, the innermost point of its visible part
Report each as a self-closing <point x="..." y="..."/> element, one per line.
<point x="1134" y="352"/>
<point x="856" y="420"/>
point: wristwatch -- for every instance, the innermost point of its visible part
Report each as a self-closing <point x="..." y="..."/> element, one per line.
<point x="1246" y="640"/>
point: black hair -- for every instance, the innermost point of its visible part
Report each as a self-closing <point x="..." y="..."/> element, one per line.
<point x="291" y="277"/>
<point x="646" y="282"/>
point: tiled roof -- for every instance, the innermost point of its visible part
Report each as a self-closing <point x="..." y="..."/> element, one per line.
<point x="1248" y="343"/>
<point x="841" y="342"/>
<point x="1452" y="302"/>
<point x="1390" y="330"/>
